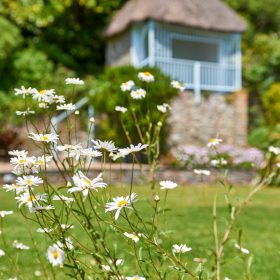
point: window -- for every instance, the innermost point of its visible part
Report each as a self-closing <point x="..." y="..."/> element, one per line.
<point x="199" y="51"/>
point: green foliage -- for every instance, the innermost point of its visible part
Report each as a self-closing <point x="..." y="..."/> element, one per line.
<point x="265" y="136"/>
<point x="271" y="101"/>
<point x="69" y="32"/>
<point x="32" y="67"/>
<point x="108" y="95"/>
<point x="262" y="16"/>
<point x="9" y="40"/>
<point x="262" y="62"/>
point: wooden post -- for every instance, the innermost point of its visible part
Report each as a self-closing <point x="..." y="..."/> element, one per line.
<point x="152" y="44"/>
<point x="197" y="88"/>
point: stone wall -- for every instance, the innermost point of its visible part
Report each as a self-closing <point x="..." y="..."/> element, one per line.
<point x="118" y="50"/>
<point x="219" y="115"/>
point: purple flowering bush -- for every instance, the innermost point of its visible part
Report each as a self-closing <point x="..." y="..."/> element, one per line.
<point x="237" y="157"/>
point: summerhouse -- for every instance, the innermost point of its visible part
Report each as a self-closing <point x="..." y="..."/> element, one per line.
<point x="196" y="42"/>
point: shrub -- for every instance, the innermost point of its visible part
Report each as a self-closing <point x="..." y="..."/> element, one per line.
<point x="271" y="102"/>
<point x="194" y="156"/>
<point x="108" y="95"/>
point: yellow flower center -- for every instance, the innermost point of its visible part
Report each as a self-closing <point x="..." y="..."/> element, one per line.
<point x="135" y="278"/>
<point x="45" y="137"/>
<point x="29" y="182"/>
<point x="212" y="140"/>
<point x="21" y="161"/>
<point x="31" y="198"/>
<point x="87" y="181"/>
<point x="147" y="74"/>
<point x="40" y="162"/>
<point x="138" y="92"/>
<point x="122" y="203"/>
<point x="43" y="91"/>
<point x="16" y="186"/>
<point x="55" y="254"/>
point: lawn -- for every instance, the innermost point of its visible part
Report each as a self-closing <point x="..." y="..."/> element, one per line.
<point x="190" y="221"/>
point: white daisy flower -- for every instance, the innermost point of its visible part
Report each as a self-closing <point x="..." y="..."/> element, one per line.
<point x="74" y="81"/>
<point x="84" y="184"/>
<point x="127" y="86"/>
<point x="24" y="91"/>
<point x="226" y="278"/>
<point x="109" y="146"/>
<point x="274" y="150"/>
<point x="18" y="153"/>
<point x="55" y="255"/>
<point x="29" y="181"/>
<point x="132" y="149"/>
<point x="23" y="165"/>
<point x="25" y="113"/>
<point x="45" y="95"/>
<point x="5" y="213"/>
<point x="51" y="137"/>
<point x="43" y="160"/>
<point x="202" y="172"/>
<point x="135" y="277"/>
<point x="66" y="227"/>
<point x="2" y="253"/>
<point x="43" y="105"/>
<point x="63" y="198"/>
<point x="179" y="249"/>
<point x="164" y="107"/>
<point x="66" y="107"/>
<point x="119" y="262"/>
<point x="117" y="156"/>
<point x="30" y="200"/>
<point x="59" y="99"/>
<point x="106" y="267"/>
<point x="243" y="250"/>
<point x="71" y="150"/>
<point x="93" y="153"/>
<point x="214" y="142"/>
<point x="39" y="208"/>
<point x="44" y="230"/>
<point x="13" y="187"/>
<point x="217" y="162"/>
<point x="146" y="77"/>
<point x="133" y="236"/>
<point x="177" y="85"/>
<point x="20" y="246"/>
<point x="167" y="185"/>
<point x="120" y="109"/>
<point x="66" y="244"/>
<point x="138" y="93"/>
<point x="119" y="203"/>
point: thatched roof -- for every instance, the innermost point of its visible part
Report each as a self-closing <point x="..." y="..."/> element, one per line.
<point x="203" y="14"/>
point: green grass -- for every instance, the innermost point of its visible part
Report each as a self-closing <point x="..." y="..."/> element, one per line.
<point x="190" y="221"/>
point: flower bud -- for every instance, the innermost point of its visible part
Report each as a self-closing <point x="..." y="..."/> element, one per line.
<point x="156" y="198"/>
<point x="92" y="120"/>
<point x="77" y="112"/>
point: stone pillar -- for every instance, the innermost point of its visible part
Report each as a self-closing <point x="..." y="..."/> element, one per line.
<point x="241" y="111"/>
<point x="217" y="115"/>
